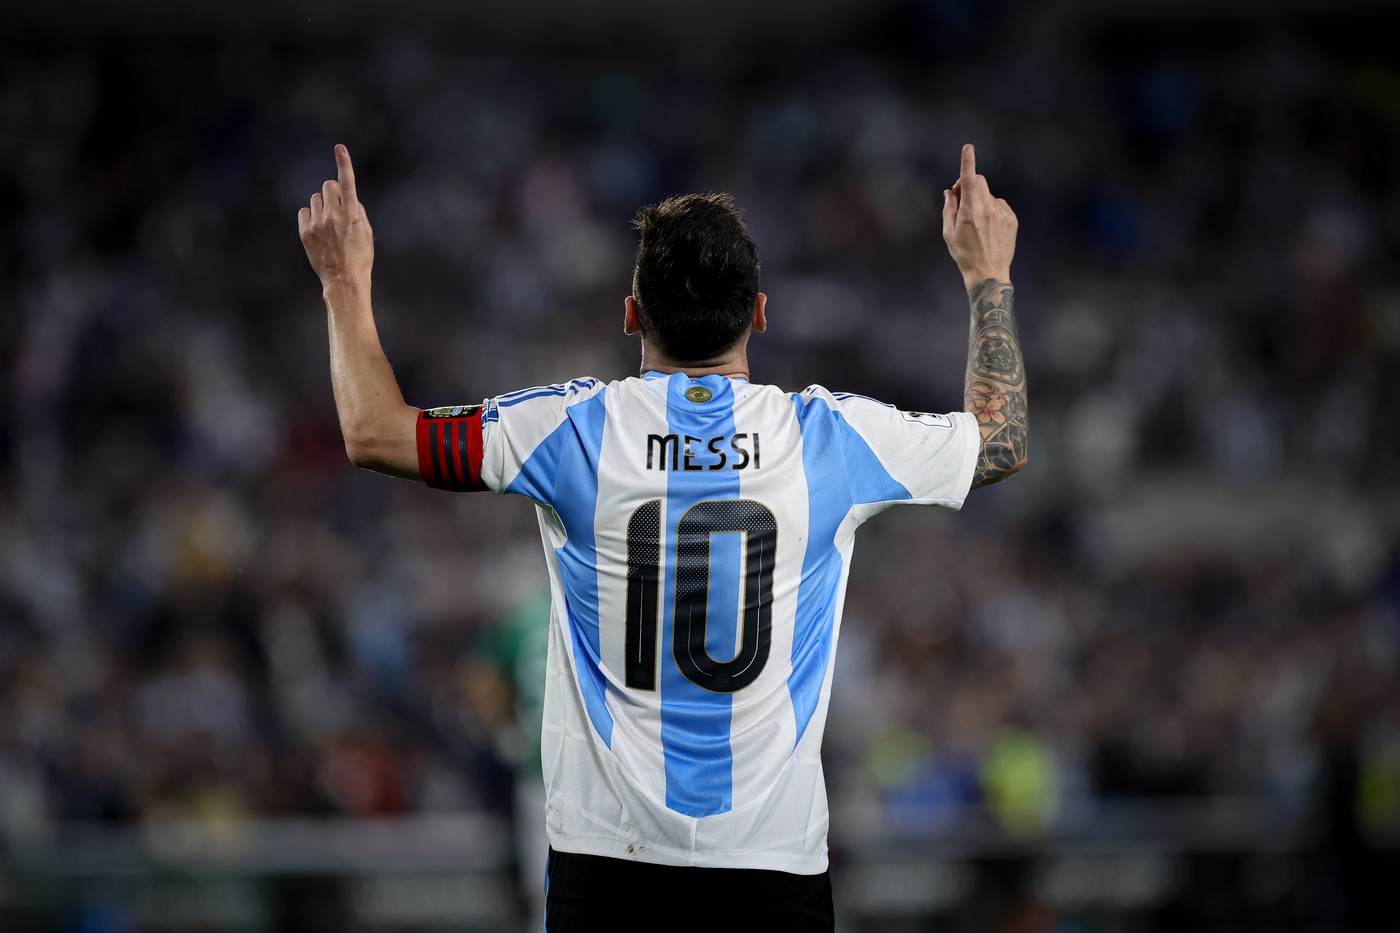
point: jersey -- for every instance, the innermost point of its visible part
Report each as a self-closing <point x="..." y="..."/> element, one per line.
<point x="698" y="534"/>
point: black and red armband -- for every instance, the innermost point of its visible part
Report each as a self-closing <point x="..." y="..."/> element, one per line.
<point x="449" y="448"/>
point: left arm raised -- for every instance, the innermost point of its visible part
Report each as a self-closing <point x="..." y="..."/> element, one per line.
<point x="377" y="425"/>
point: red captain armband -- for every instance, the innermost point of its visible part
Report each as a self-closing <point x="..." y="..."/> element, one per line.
<point x="449" y="448"/>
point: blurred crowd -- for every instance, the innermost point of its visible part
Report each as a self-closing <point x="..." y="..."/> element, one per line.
<point x="1193" y="590"/>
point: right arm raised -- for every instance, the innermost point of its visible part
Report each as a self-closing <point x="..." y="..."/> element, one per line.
<point x="981" y="235"/>
<point x="378" y="426"/>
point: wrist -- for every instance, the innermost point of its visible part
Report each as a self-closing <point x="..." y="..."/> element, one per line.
<point x="345" y="284"/>
<point x="973" y="279"/>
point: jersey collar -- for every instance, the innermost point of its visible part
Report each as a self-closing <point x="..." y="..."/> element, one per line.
<point x="653" y="374"/>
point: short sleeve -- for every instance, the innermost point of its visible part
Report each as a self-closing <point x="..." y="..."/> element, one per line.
<point x="919" y="458"/>
<point x="500" y="445"/>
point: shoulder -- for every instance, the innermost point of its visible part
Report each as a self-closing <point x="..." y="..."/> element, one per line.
<point x="555" y="397"/>
<point x="575" y="390"/>
<point x="865" y="414"/>
<point x="838" y="401"/>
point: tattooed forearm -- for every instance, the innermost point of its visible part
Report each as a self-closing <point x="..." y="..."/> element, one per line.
<point x="995" y="389"/>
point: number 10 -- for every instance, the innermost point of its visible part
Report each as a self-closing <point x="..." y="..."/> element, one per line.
<point x="692" y="592"/>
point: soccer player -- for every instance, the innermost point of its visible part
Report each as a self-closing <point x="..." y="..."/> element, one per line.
<point x="698" y="530"/>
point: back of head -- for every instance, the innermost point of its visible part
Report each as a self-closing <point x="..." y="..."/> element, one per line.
<point x="697" y="276"/>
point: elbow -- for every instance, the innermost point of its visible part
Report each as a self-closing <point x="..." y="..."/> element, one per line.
<point x="358" y="453"/>
<point x="360" y="446"/>
<point x="1020" y="455"/>
<point x="1009" y="469"/>
<point x="384" y="444"/>
<point x="1023" y="456"/>
<point x="370" y="456"/>
<point x="998" y="461"/>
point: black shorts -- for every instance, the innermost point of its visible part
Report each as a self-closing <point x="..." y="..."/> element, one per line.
<point x="586" y="893"/>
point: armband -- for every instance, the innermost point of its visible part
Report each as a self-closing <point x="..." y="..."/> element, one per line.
<point x="450" y="448"/>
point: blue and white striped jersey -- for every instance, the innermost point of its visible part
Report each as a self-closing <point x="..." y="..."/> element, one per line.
<point x="698" y="534"/>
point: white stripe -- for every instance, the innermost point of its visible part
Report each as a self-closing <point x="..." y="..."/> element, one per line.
<point x="763" y="730"/>
<point x="634" y="411"/>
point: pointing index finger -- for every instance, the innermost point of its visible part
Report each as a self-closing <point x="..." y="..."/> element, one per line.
<point x="346" y="171"/>
<point x="969" y="163"/>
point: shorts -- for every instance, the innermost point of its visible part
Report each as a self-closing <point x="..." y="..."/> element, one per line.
<point x="587" y="893"/>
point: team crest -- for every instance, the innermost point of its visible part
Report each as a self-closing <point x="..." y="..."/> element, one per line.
<point x="699" y="394"/>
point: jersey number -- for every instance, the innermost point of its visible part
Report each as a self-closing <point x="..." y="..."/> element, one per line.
<point x="693" y="534"/>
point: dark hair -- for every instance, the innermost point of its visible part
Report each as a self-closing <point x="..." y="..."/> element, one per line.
<point x="697" y="275"/>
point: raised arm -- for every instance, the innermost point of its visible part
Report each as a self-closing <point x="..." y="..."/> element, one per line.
<point x="378" y="427"/>
<point x="981" y="235"/>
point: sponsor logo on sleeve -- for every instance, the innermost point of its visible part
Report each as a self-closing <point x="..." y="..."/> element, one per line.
<point x="923" y="417"/>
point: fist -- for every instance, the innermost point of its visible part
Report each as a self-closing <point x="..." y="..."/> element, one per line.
<point x="980" y="230"/>
<point x="334" y="229"/>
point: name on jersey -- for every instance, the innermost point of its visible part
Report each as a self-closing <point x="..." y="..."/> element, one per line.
<point x="682" y="452"/>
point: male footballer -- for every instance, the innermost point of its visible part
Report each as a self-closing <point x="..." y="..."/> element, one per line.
<point x="698" y="530"/>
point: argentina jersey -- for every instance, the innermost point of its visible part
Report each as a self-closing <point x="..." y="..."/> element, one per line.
<point x="698" y="534"/>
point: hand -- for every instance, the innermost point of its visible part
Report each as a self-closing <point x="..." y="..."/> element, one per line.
<point x="980" y="230"/>
<point x="334" y="229"/>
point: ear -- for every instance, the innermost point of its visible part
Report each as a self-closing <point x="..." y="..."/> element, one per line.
<point x="760" y="322"/>
<point x="632" y="321"/>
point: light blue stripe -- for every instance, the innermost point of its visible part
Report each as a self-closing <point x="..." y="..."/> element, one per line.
<point x="695" y="722"/>
<point x="562" y="472"/>
<point x="726" y="557"/>
<point x="538" y="474"/>
<point x="870" y="481"/>
<point x="841" y="471"/>
<point x="828" y="502"/>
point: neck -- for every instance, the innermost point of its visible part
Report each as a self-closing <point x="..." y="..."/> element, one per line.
<point x="733" y="362"/>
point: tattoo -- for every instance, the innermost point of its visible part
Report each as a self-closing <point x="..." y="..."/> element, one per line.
<point x="995" y="390"/>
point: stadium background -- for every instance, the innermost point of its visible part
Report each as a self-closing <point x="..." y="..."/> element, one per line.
<point x="1153" y="683"/>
